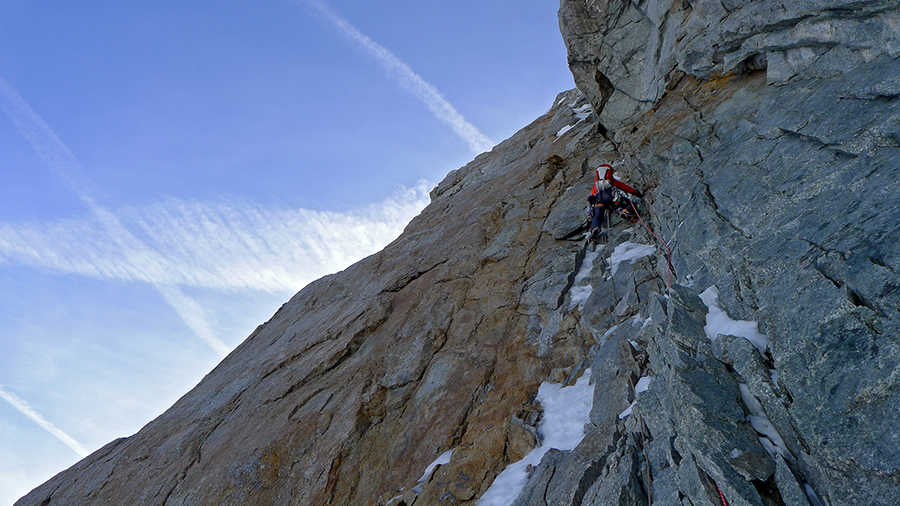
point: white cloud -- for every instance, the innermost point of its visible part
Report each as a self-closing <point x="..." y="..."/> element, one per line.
<point x="212" y="245"/>
<point x="28" y="411"/>
<point x="409" y="80"/>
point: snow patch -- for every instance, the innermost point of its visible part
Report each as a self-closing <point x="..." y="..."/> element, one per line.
<point x="629" y="251"/>
<point x="582" y="112"/>
<point x="641" y="322"/>
<point x="642" y="385"/>
<point x="610" y="331"/>
<point x="578" y="291"/>
<point x="718" y="322"/>
<point x="579" y="296"/>
<point x="566" y="411"/>
<point x="440" y="461"/>
<point x="768" y="436"/>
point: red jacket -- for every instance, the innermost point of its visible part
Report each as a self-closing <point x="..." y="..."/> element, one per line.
<point x="613" y="181"/>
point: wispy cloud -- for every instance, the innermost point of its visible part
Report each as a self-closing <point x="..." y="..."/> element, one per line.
<point x="220" y="246"/>
<point x="57" y="156"/>
<point x="409" y="80"/>
<point x="27" y="410"/>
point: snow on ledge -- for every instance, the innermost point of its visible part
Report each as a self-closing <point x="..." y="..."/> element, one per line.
<point x="581" y="113"/>
<point x="768" y="436"/>
<point x="629" y="251"/>
<point x="581" y="292"/>
<point x="563" y="130"/>
<point x="566" y="411"/>
<point x="718" y="322"/>
<point x="440" y="461"/>
<point x="642" y="385"/>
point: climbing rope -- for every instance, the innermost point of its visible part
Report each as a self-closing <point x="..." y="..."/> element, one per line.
<point x="721" y="495"/>
<point x="664" y="243"/>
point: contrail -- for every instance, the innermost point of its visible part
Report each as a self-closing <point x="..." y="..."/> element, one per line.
<point x="68" y="169"/>
<point x="409" y="80"/>
<point x="49" y="427"/>
<point x="193" y="315"/>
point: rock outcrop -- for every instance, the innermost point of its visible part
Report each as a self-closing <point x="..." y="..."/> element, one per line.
<point x="629" y="52"/>
<point x="766" y="138"/>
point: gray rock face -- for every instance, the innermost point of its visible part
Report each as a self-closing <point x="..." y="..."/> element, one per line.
<point x="766" y="139"/>
<point x="785" y="197"/>
<point x="786" y="204"/>
<point x="625" y="54"/>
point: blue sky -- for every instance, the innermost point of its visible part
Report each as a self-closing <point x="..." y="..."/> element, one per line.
<point x="170" y="174"/>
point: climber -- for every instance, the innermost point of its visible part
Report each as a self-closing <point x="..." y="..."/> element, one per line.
<point x="607" y="195"/>
<point x="608" y="176"/>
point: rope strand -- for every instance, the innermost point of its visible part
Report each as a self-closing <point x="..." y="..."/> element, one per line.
<point x="664" y="243"/>
<point x="721" y="495"/>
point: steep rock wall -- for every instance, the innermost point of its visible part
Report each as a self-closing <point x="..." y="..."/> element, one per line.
<point x="785" y="199"/>
<point x="775" y="180"/>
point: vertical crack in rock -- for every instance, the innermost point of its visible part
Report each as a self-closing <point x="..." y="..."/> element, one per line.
<point x="589" y="478"/>
<point x="606" y="89"/>
<point x="711" y="199"/>
<point x="570" y="279"/>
